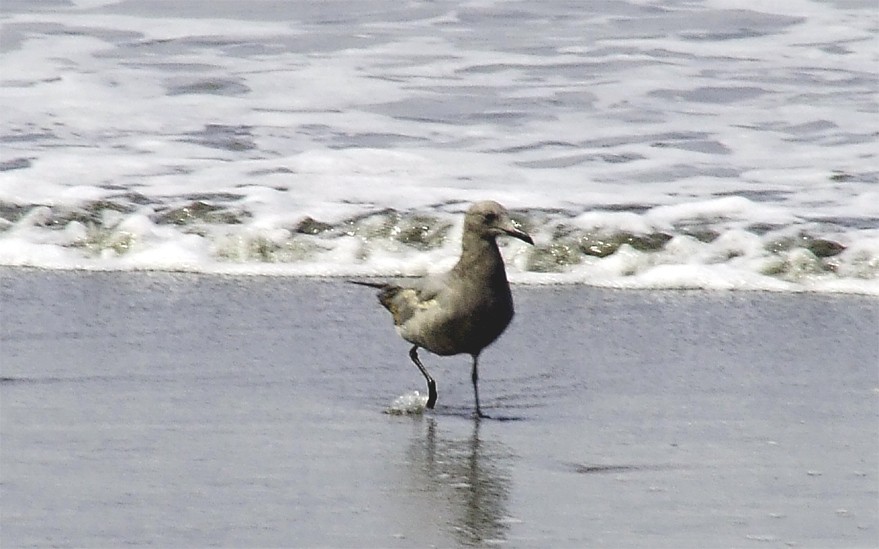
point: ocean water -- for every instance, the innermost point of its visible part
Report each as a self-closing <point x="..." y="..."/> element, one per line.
<point x="676" y="144"/>
<point x="152" y="409"/>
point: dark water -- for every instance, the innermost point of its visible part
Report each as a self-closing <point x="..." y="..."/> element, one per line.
<point x="177" y="410"/>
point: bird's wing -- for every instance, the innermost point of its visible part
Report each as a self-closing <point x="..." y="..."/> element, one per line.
<point x="405" y="299"/>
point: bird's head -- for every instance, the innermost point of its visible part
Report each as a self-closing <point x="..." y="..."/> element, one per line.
<point x="489" y="220"/>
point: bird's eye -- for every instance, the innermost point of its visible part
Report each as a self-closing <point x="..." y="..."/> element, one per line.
<point x="490" y="217"/>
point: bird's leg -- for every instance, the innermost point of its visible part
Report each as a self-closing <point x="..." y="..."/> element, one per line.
<point x="474" y="375"/>
<point x="431" y="384"/>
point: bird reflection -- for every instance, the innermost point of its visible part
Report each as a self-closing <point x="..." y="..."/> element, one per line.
<point x="470" y="477"/>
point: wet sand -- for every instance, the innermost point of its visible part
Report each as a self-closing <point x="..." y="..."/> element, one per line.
<point x="183" y="410"/>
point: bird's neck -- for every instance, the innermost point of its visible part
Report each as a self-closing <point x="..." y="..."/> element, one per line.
<point x="481" y="257"/>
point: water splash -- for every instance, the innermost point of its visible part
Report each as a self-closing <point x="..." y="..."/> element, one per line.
<point x="408" y="404"/>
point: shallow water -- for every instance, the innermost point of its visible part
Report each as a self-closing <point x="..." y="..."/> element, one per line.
<point x="710" y="144"/>
<point x="183" y="410"/>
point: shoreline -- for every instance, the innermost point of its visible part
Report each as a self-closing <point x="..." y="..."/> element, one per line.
<point x="516" y="279"/>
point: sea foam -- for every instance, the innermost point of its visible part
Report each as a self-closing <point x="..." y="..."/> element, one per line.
<point x="710" y="145"/>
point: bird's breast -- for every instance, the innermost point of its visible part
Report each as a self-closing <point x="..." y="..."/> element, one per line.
<point x="468" y="327"/>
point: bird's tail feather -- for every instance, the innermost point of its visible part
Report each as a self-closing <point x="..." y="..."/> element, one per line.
<point x="378" y="285"/>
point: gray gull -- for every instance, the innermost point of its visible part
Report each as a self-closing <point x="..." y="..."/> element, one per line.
<point x="464" y="310"/>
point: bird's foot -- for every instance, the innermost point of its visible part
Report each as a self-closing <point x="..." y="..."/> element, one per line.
<point x="431" y="394"/>
<point x="478" y="414"/>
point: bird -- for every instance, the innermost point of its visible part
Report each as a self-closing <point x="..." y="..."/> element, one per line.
<point x="461" y="311"/>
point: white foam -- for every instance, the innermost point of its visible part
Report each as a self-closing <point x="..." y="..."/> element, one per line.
<point x="408" y="404"/>
<point x="630" y="120"/>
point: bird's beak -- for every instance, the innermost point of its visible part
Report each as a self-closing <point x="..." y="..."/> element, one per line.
<point x="516" y="233"/>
